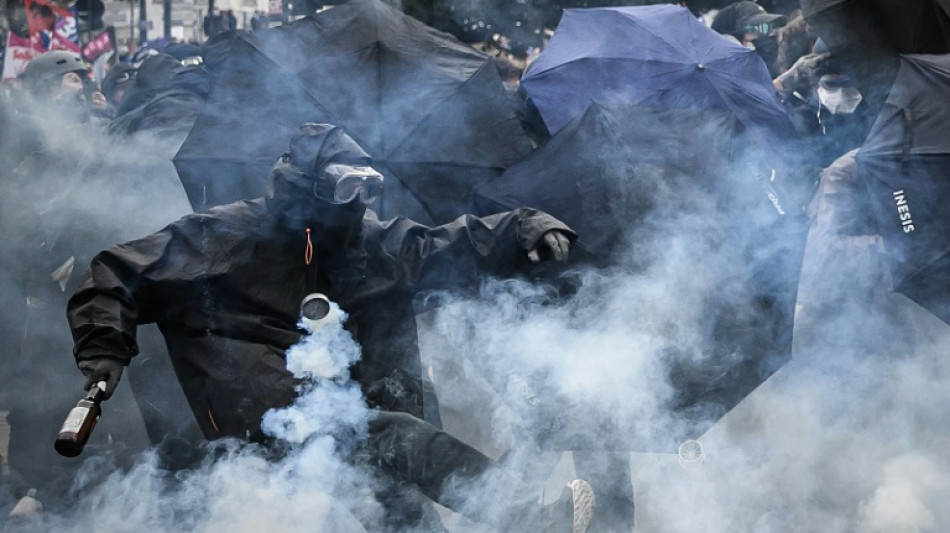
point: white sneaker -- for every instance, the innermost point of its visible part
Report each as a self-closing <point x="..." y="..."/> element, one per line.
<point x="582" y="498"/>
<point x="28" y="508"/>
<point x="573" y="511"/>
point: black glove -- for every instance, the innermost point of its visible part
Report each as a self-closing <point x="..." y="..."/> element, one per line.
<point x="554" y="244"/>
<point x="104" y="368"/>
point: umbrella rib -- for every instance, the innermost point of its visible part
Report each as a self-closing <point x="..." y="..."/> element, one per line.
<point x="661" y="37"/>
<point x="603" y="58"/>
<point x="613" y="58"/>
<point x="299" y="85"/>
<point x="922" y="269"/>
<point x="673" y="67"/>
<point x="434" y="107"/>
<point x="714" y="64"/>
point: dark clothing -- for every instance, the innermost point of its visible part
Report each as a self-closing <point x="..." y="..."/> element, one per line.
<point x="163" y="96"/>
<point x="225" y="289"/>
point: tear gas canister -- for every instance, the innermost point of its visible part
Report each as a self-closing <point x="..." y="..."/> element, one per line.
<point x="315" y="306"/>
<point x="80" y="422"/>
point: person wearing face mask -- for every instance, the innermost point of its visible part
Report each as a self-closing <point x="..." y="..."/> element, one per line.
<point x="843" y="116"/>
<point x="226" y="286"/>
<point x="838" y="116"/>
<point x="753" y="27"/>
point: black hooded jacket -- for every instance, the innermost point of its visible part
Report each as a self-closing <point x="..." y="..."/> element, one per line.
<point x="225" y="288"/>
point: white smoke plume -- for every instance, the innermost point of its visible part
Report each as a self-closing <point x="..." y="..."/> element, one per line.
<point x="848" y="436"/>
<point x="241" y="487"/>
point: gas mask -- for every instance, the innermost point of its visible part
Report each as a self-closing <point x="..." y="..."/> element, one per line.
<point x="341" y="183"/>
<point x="838" y="95"/>
<point x="324" y="182"/>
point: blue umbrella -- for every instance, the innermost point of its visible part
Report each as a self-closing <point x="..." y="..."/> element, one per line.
<point x="657" y="56"/>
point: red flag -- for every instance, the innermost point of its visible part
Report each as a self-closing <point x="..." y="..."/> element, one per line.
<point x="97" y="46"/>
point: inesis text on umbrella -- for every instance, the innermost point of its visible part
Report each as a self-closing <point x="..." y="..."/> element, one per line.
<point x="903" y="210"/>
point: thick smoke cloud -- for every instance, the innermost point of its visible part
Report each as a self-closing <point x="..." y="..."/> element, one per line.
<point x="850" y="436"/>
<point x="846" y="437"/>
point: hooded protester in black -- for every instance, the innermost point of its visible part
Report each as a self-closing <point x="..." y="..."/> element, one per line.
<point x="225" y="287"/>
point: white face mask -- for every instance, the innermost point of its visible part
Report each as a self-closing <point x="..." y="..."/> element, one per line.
<point x="839" y="100"/>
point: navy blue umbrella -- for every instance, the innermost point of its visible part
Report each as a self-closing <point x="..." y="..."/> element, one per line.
<point x="658" y="56"/>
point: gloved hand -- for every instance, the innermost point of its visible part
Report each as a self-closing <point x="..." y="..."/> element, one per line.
<point x="555" y="242"/>
<point x="104" y="368"/>
<point x="804" y="74"/>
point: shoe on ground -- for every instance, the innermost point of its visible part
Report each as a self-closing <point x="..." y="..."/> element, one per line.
<point x="27" y="509"/>
<point x="572" y="512"/>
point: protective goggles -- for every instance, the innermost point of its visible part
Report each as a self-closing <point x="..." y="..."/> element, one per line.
<point x="762" y="28"/>
<point x="341" y="184"/>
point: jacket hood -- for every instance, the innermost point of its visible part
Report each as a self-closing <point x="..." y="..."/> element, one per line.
<point x="290" y="192"/>
<point x="317" y="145"/>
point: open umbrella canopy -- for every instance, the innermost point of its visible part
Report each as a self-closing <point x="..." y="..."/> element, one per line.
<point x="659" y="56"/>
<point x="636" y="183"/>
<point x="905" y="162"/>
<point x="432" y="112"/>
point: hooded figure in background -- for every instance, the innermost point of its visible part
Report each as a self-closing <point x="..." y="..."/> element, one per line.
<point x="162" y="95"/>
<point x="225" y="287"/>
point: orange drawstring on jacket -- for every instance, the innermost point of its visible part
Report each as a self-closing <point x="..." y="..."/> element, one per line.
<point x="308" y="253"/>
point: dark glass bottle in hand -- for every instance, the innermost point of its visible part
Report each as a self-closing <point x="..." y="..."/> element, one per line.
<point x="80" y="422"/>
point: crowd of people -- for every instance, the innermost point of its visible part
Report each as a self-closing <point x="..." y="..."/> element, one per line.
<point x="226" y="325"/>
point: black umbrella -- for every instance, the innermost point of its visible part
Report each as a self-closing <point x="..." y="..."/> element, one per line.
<point x="432" y="112"/>
<point x="905" y="162"/>
<point x="619" y="175"/>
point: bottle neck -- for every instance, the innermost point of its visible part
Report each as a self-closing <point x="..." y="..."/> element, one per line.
<point x="96" y="392"/>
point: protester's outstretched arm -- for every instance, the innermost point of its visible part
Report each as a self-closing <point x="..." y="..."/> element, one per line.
<point x="452" y="254"/>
